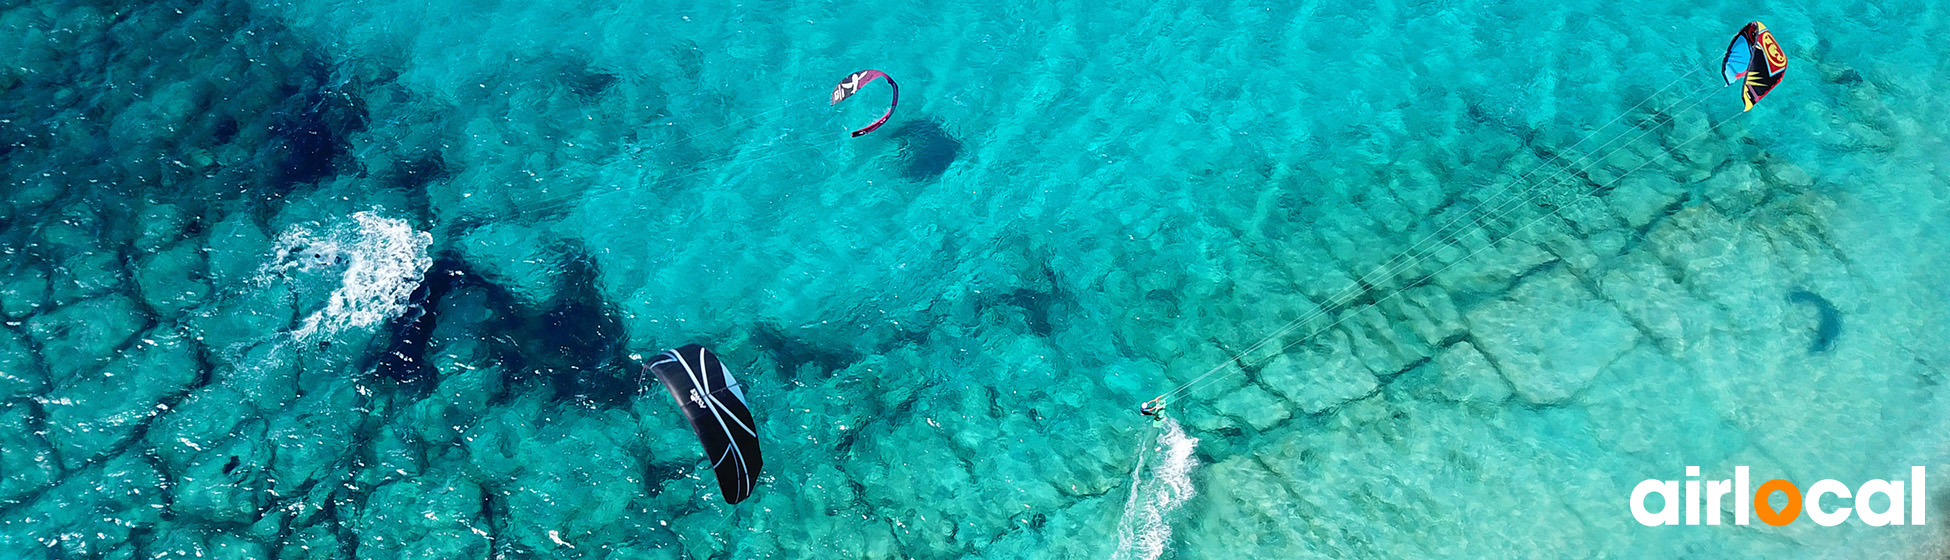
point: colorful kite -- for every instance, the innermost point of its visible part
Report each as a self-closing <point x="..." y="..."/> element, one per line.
<point x="1755" y="59"/>
<point x="852" y="85"/>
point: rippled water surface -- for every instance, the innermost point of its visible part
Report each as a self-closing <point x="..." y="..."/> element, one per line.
<point x="370" y="279"/>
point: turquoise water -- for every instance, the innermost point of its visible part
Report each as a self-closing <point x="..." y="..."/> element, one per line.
<point x="216" y="216"/>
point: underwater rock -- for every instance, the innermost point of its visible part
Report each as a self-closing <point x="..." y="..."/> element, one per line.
<point x="898" y="394"/>
<point x="86" y="333"/>
<point x="520" y="258"/>
<point x="95" y="412"/>
<point x="1078" y="530"/>
<point x="28" y="197"/>
<point x="225" y="485"/>
<point x="317" y="541"/>
<point x="494" y="444"/>
<point x="1719" y="257"/>
<point x="392" y="452"/>
<point x="1490" y="271"/>
<point x="927" y="150"/>
<point x="1695" y="155"/>
<point x="20" y="367"/>
<point x="1246" y="514"/>
<point x="468" y="382"/>
<point x="266" y="375"/>
<point x="1669" y="428"/>
<point x="975" y="413"/>
<point x="929" y="468"/>
<point x="1319" y="375"/>
<point x="1783" y="174"/>
<point x="1380" y="345"/>
<point x="826" y="490"/>
<point x="171" y="279"/>
<point x="924" y="529"/>
<point x="1015" y="464"/>
<point x="1580" y="254"/>
<point x="1621" y="159"/>
<point x="313" y="436"/>
<point x="235" y="249"/>
<point x="1464" y="463"/>
<point x="1255" y="406"/>
<point x="1429" y="313"/>
<point x="245" y="318"/>
<point x="70" y="231"/>
<point x="1468" y="376"/>
<point x="199" y="422"/>
<point x="76" y="238"/>
<point x="1366" y="248"/>
<point x="317" y="507"/>
<point x="25" y="457"/>
<point x="1641" y="198"/>
<point x="423" y="518"/>
<point x="1203" y="416"/>
<point x="86" y="275"/>
<point x="24" y="291"/>
<point x="567" y="474"/>
<point x="91" y="513"/>
<point x="162" y="224"/>
<point x="1641" y="287"/>
<point x="175" y="539"/>
<point x="1735" y="189"/>
<point x="1549" y="336"/>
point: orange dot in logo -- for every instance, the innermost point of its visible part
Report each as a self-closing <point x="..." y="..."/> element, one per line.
<point x="1777" y="517"/>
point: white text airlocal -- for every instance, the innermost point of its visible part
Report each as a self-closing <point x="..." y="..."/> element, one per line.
<point x="1744" y="500"/>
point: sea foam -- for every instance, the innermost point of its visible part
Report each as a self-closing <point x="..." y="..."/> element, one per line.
<point x="378" y="262"/>
<point x="1144" y="532"/>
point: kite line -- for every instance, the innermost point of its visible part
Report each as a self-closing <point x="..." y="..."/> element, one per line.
<point x="1753" y="59"/>
<point x="847" y="87"/>
<point x="1348" y="296"/>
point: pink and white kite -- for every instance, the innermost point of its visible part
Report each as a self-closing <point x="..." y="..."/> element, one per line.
<point x="852" y="85"/>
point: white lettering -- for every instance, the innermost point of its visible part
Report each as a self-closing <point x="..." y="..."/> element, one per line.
<point x="1715" y="489"/>
<point x="1668" y="515"/>
<point x="1916" y="495"/>
<point x="1692" y="496"/>
<point x="1893" y="515"/>
<point x="1878" y="503"/>
<point x="1743" y="497"/>
<point x="1813" y="503"/>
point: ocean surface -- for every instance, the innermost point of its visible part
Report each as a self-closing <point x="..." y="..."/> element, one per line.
<point x="1424" y="279"/>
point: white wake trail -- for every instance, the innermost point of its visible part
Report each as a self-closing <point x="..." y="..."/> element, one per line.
<point x="1144" y="533"/>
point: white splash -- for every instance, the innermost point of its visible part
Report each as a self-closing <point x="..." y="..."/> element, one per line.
<point x="1143" y="532"/>
<point x="383" y="260"/>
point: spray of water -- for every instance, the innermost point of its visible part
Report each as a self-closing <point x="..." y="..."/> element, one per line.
<point x="1144" y="533"/>
<point x="378" y="261"/>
